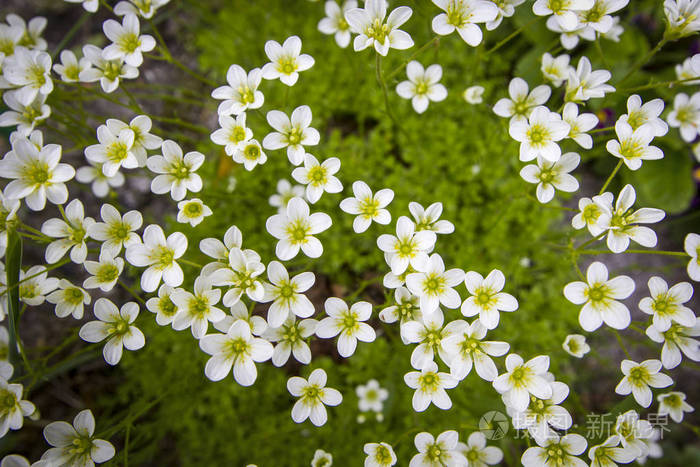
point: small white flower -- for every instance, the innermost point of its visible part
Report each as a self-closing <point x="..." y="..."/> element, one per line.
<point x="163" y="305"/>
<point x="91" y="6"/>
<point x="334" y="22"/>
<point x="192" y="211"/>
<point x="371" y="396"/>
<point x="100" y="184"/>
<point x="543" y="415"/>
<point x="291" y="336"/>
<point x="71" y="232"/>
<point x="552" y="175"/>
<point x="521" y="101"/>
<point x="556" y="451"/>
<point x="241" y="93"/>
<point x="13" y="409"/>
<point x="579" y="125"/>
<point x="347" y="324"/>
<point x="689" y="69"/>
<point x="37" y="174"/>
<point x="287" y="295"/>
<point x="522" y="379"/>
<point x="372" y="29"/>
<point x="241" y="276"/>
<point x="632" y="432"/>
<point x="422" y="86"/>
<point x="113" y="150"/>
<point x="379" y="455"/>
<point x="292" y="133"/>
<point x="434" y="285"/>
<point x="322" y="459"/>
<point x="673" y="403"/>
<point x="466" y="349"/>
<point x="103" y="273"/>
<point x="249" y="154"/>
<point x="31" y="32"/>
<point x="576" y="345"/>
<point x="678" y="341"/>
<point x="506" y="9"/>
<point x="69" y="299"/>
<point x="428" y="334"/>
<point x="538" y="135"/>
<point x="487" y="299"/>
<point x="429" y="218"/>
<point x="318" y="177"/>
<point x="685" y="115"/>
<point x="116" y="231"/>
<point x="215" y="248"/>
<point x="584" y="83"/>
<point x="666" y="305"/>
<point x="647" y="114"/>
<point x="160" y="256"/>
<point x="598" y="18"/>
<point x="564" y="11"/>
<point x="233" y="133"/>
<point x="638" y="377"/>
<point x="474" y="94"/>
<point x="599" y="297"/>
<point x="143" y="139"/>
<point x="286" y="60"/>
<point x="590" y="211"/>
<point x="29" y="71"/>
<point x="76" y="444"/>
<point x="114" y="324"/>
<point x="569" y="39"/>
<point x="367" y="207"/>
<point x="24" y="117"/>
<point x="477" y="453"/>
<point x="433" y="452"/>
<point x="285" y="192"/>
<point x="408" y="247"/>
<point x="295" y="230"/>
<point x="682" y="17"/>
<point x="236" y="349"/>
<point x="406" y="309"/>
<point x="196" y="310"/>
<point x="34" y="285"/>
<point x="691" y="245"/>
<point x="632" y="146"/>
<point x="462" y="16"/>
<point x="313" y="397"/>
<point x="609" y="454"/>
<point x="556" y="69"/>
<point x="144" y="8"/>
<point x="107" y="72"/>
<point x="176" y="173"/>
<point x="430" y="387"/>
<point x="621" y="223"/>
<point x="127" y="42"/>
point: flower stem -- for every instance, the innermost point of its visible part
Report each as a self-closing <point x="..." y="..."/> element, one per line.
<point x="131" y="292"/>
<point x="644" y="60"/>
<point x="612" y="175"/>
<point x="511" y="36"/>
<point x="382" y="84"/>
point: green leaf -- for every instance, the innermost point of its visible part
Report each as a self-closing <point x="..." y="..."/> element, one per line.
<point x="13" y="262"/>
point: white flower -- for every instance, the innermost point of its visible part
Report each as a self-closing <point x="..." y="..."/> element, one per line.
<point x="71" y="232"/>
<point x="556" y="452"/>
<point x="286" y="60"/>
<point x="466" y="349"/>
<point x="116" y="231"/>
<point x="107" y="72"/>
<point x="163" y="305"/>
<point x="236" y="349"/>
<point x="521" y="101"/>
<point x="334" y="22"/>
<point x="177" y="173"/>
<point x="473" y="94"/>
<point x="105" y="272"/>
<point x="621" y="223"/>
<point x="638" y="377"/>
<point x="579" y="125"/>
<point x="428" y="334"/>
<point x="576" y="345"/>
<point x="538" y="135"/>
<point x="682" y="17"/>
<point x="100" y="184"/>
<point x="569" y="39"/>
<point x="522" y="379"/>
<point x="556" y="69"/>
<point x="590" y="211"/>
<point x="322" y="459"/>
<point x="632" y="432"/>
<point x="689" y="69"/>
<point x="114" y="324"/>
<point x="487" y="299"/>
<point x="287" y="295"/>
<point x="292" y="133"/>
<point x="144" y="8"/>
<point x="647" y="114"/>
<point x="685" y="115"/>
<point x="429" y="219"/>
<point x="609" y="454"/>
<point x="584" y="83"/>
<point x="442" y="451"/>
<point x="379" y="455"/>
<point x="249" y="154"/>
<point x="241" y="276"/>
<point x="160" y="255"/>
<point x="10" y="36"/>
<point x="371" y="396"/>
<point x="91" y="6"/>
<point x="564" y="11"/>
<point x="34" y="285"/>
<point x="552" y="175"/>
<point x="347" y="324"/>
<point x="30" y="72"/>
<point x="314" y="396"/>
<point x="406" y="309"/>
<point x="196" y="310"/>
<point x="677" y="339"/>
<point x="691" y="245"/>
<point x="127" y="42"/>
<point x="31" y="33"/>
<point x="241" y="93"/>
<point x="76" y="445"/>
<point x="113" y="150"/>
<point x="408" y="247"/>
<point x="291" y="336"/>
<point x="69" y="299"/>
<point x="285" y="192"/>
<point x="215" y="248"/>
<point x="295" y="230"/>
<point x="24" y="117"/>
<point x="369" y="23"/>
<point x="462" y="16"/>
<point x="430" y="387"/>
<point x="318" y="177"/>
<point x="143" y="139"/>
<point x="674" y="404"/>
<point x="434" y="285"/>
<point x="541" y="415"/>
<point x="477" y="453"/>
<point x="233" y="133"/>
<point x="192" y="211"/>
<point x="12" y="409"/>
<point x="599" y="298"/>
<point x="367" y="207"/>
<point x="666" y="305"/>
<point x="8" y="219"/>
<point x="506" y="9"/>
<point x="632" y="146"/>
<point x="422" y="86"/>
<point x="37" y="174"/>
<point x="598" y="18"/>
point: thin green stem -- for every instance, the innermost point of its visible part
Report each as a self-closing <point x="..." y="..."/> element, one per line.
<point x="382" y="84"/>
<point x="644" y="60"/>
<point x="398" y="69"/>
<point x="594" y="239"/>
<point x="612" y="175"/>
<point x="131" y="292"/>
<point x="511" y="36"/>
<point x="69" y="35"/>
<point x="190" y="263"/>
<point x="622" y="344"/>
<point x="45" y="270"/>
